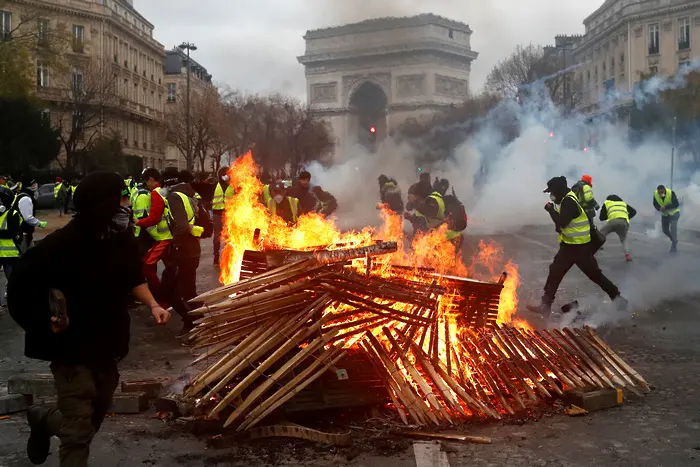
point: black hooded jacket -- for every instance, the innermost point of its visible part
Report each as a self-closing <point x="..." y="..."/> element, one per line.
<point x="631" y="212"/>
<point x="569" y="209"/>
<point x="186" y="245"/>
<point x="97" y="271"/>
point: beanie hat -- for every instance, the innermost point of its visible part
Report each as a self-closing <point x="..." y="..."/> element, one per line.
<point x="99" y="194"/>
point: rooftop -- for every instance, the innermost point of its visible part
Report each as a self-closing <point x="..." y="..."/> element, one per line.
<point x="380" y="24"/>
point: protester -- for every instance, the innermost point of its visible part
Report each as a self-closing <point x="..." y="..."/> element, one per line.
<point x="88" y="333"/>
<point x="24" y="203"/>
<point x="223" y="192"/>
<point x="301" y="191"/>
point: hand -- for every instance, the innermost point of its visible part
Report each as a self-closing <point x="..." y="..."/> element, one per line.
<point x="549" y="207"/>
<point x="43" y="224"/>
<point x="161" y="315"/>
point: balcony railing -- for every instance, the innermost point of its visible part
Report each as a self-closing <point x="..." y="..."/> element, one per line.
<point x="683" y="45"/>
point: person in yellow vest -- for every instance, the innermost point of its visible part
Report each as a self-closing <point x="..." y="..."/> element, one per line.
<point x="618" y="214"/>
<point x="189" y="222"/>
<point x="9" y="233"/>
<point x="431" y="212"/>
<point x="574" y="228"/>
<point x="156" y="225"/>
<point x="3" y="182"/>
<point x="282" y="205"/>
<point x="140" y="207"/>
<point x="223" y="193"/>
<point x="666" y="202"/>
<point x="60" y="191"/>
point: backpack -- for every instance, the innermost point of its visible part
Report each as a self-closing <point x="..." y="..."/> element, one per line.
<point x="203" y="219"/>
<point x="455" y="214"/>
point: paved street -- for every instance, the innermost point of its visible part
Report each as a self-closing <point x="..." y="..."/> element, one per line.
<point x="662" y="342"/>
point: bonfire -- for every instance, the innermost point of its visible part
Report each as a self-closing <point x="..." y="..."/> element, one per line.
<point x="439" y="334"/>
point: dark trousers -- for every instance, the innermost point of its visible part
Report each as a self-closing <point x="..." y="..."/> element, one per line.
<point x="7" y="265"/>
<point x="84" y="397"/>
<point x="179" y="285"/>
<point x="669" y="226"/>
<point x="583" y="257"/>
<point x="218" y="220"/>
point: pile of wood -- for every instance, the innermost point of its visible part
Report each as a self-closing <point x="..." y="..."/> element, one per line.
<point x="268" y="337"/>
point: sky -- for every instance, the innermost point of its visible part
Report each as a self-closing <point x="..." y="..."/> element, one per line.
<point x="252" y="45"/>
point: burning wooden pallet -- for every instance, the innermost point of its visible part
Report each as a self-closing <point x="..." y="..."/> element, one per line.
<point x="276" y="333"/>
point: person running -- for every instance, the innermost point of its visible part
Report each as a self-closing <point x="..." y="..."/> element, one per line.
<point x="617" y="213"/>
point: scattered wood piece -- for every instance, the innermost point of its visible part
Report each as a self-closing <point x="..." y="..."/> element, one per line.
<point x="296" y="431"/>
<point x="446" y="436"/>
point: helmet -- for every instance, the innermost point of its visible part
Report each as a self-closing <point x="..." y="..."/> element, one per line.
<point x="588" y="179"/>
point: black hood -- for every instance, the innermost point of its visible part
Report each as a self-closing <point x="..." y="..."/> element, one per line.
<point x="558" y="187"/>
<point x="98" y="196"/>
<point x="613" y="198"/>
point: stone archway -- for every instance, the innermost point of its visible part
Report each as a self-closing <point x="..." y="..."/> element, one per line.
<point x="368" y="108"/>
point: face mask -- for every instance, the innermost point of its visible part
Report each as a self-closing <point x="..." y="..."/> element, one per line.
<point x="225" y="178"/>
<point x="122" y="219"/>
<point x="279" y="198"/>
<point x="553" y="198"/>
<point x="662" y="195"/>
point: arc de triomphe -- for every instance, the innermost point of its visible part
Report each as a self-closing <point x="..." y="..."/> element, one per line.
<point x="367" y="78"/>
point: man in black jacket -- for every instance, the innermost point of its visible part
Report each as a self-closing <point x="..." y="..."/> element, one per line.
<point x="301" y="190"/>
<point x="180" y="276"/>
<point x="390" y="194"/>
<point x="89" y="332"/>
<point x="574" y="228"/>
<point x="618" y="214"/>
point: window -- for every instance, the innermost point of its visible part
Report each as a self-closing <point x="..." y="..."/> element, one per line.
<point x="622" y="61"/>
<point x="42" y="30"/>
<point x="46" y="116"/>
<point x="42" y="74"/>
<point x="451" y="34"/>
<point x="5" y="24"/>
<point x="78" y="82"/>
<point x="683" y="33"/>
<point x="125" y="92"/>
<point x="172" y="92"/>
<point x="78" y="38"/>
<point x="136" y="93"/>
<point x="78" y="124"/>
<point x="653" y="38"/>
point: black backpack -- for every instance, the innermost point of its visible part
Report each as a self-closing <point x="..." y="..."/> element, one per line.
<point x="455" y="214"/>
<point x="203" y="219"/>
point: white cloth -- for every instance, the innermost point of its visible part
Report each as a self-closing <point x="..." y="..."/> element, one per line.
<point x="26" y="209"/>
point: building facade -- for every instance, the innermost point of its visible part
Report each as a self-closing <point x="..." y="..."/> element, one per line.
<point x="175" y="79"/>
<point x="367" y="78"/>
<point x="626" y="40"/>
<point x="112" y="67"/>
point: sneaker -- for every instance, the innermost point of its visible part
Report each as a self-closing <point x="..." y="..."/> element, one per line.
<point x="570" y="307"/>
<point x="673" y="248"/>
<point x="216" y="261"/>
<point x="621" y="303"/>
<point x="541" y="309"/>
<point x="39" y="443"/>
<point x="628" y="257"/>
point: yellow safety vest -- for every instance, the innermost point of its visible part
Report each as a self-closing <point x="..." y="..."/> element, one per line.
<point x="266" y="195"/>
<point x="617" y="210"/>
<point x="161" y="231"/>
<point x="578" y="231"/>
<point x="8" y="249"/>
<point x="141" y="206"/>
<point x="293" y="204"/>
<point x="434" y="222"/>
<point x="587" y="193"/>
<point x="665" y="202"/>
<point x="189" y="209"/>
<point x="56" y="190"/>
<point x="218" y="202"/>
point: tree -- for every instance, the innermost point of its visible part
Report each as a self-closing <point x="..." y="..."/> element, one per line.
<point x="87" y="95"/>
<point x="532" y="71"/>
<point x="105" y="154"/>
<point x="27" y="140"/>
<point x="29" y="41"/>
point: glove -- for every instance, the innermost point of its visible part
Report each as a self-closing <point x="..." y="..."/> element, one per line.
<point x="549" y="207"/>
<point x="43" y="224"/>
<point x="197" y="231"/>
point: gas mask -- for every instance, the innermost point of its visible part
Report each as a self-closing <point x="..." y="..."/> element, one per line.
<point x="121" y="220"/>
<point x="225" y="178"/>
<point x="278" y="198"/>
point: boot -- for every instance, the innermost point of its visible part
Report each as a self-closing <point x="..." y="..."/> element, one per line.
<point x="628" y="257"/>
<point x="39" y="443"/>
<point x="541" y="309"/>
<point x="673" y="248"/>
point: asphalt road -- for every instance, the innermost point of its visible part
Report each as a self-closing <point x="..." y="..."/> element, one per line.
<point x="659" y="336"/>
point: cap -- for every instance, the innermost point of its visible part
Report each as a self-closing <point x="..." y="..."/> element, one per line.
<point x="556" y="183"/>
<point x="59" y="179"/>
<point x="587" y="178"/>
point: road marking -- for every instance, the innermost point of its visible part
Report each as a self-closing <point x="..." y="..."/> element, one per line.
<point x="429" y="455"/>
<point x="537" y="242"/>
<point x="640" y="236"/>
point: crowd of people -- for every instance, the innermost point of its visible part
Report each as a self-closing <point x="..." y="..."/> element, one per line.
<point x="122" y="229"/>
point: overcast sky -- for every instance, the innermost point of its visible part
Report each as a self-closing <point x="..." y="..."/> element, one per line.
<point x="252" y="45"/>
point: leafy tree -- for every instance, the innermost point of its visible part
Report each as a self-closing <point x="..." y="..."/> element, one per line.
<point x="27" y="140"/>
<point x="104" y="154"/>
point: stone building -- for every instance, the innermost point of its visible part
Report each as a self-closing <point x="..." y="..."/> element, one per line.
<point x="175" y="80"/>
<point x="625" y="40"/>
<point x="367" y="78"/>
<point x="111" y="47"/>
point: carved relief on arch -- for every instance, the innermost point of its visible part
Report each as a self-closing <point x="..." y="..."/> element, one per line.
<point x="351" y="83"/>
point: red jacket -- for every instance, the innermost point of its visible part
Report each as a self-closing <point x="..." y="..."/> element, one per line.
<point x="156" y="212"/>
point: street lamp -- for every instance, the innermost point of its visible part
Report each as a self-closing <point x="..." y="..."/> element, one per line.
<point x="188" y="47"/>
<point x="673" y="150"/>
